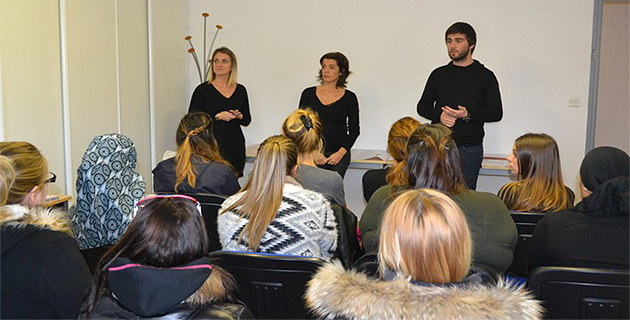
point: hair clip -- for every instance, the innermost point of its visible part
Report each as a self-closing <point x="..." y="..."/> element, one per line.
<point x="307" y="122"/>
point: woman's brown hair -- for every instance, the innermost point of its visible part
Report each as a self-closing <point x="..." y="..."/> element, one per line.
<point x="433" y="160"/>
<point x="424" y="235"/>
<point x="262" y="194"/>
<point x="194" y="138"/>
<point x="540" y="188"/>
<point x="397" y="147"/>
<point x="233" y="70"/>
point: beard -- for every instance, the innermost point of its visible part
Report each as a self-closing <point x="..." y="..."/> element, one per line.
<point x="459" y="56"/>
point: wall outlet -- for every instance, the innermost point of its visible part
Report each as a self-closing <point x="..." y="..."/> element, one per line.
<point x="574" y="102"/>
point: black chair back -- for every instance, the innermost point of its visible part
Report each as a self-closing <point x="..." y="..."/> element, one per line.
<point x="348" y="247"/>
<point x="272" y="286"/>
<point x="368" y="264"/>
<point x="525" y="224"/>
<point x="582" y="293"/>
<point x="210" y="205"/>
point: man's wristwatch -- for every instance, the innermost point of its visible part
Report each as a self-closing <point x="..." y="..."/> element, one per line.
<point x="466" y="118"/>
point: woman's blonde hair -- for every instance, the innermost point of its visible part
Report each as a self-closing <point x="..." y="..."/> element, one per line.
<point x="30" y="168"/>
<point x="194" y="137"/>
<point x="424" y="236"/>
<point x="540" y="188"/>
<point x="7" y="174"/>
<point x="397" y="148"/>
<point x="305" y="129"/>
<point x="262" y="194"/>
<point x="233" y="70"/>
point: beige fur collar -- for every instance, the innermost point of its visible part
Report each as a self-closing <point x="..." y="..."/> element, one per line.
<point x="45" y="218"/>
<point x="335" y="292"/>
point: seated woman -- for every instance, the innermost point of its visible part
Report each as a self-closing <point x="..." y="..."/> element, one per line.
<point x="160" y="268"/>
<point x="273" y="213"/>
<point x="536" y="161"/>
<point x="107" y="187"/>
<point x="397" y="148"/>
<point x="594" y="233"/>
<point x="43" y="273"/>
<point x="305" y="129"/>
<point x="198" y="166"/>
<point x="433" y="162"/>
<point x="424" y="256"/>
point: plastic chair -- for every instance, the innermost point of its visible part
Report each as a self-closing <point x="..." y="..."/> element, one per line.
<point x="272" y="286"/>
<point x="210" y="205"/>
<point x="582" y="293"/>
<point x="525" y="224"/>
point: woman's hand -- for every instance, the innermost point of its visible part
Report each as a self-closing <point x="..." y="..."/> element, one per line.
<point x="334" y="158"/>
<point x="226" y="116"/>
<point x="237" y="114"/>
<point x="319" y="158"/>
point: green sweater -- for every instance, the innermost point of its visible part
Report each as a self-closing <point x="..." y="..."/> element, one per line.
<point x="492" y="229"/>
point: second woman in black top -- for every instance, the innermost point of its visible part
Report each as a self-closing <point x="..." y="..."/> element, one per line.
<point x="226" y="101"/>
<point x="338" y="109"/>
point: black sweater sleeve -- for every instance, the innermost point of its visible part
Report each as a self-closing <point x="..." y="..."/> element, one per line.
<point x="492" y="110"/>
<point x="244" y="109"/>
<point x="197" y="101"/>
<point x="427" y="101"/>
<point x="353" y="122"/>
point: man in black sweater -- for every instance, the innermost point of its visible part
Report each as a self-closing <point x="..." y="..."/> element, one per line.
<point x="463" y="95"/>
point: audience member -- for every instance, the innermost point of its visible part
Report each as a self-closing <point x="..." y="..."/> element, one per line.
<point x="397" y="148"/>
<point x="7" y="175"/>
<point x="535" y="159"/>
<point x="424" y="255"/>
<point x="198" y="166"/>
<point x="43" y="273"/>
<point x="273" y="213"/>
<point x="594" y="233"/>
<point x="305" y="129"/>
<point x="433" y="162"/>
<point x="107" y="188"/>
<point x="160" y="268"/>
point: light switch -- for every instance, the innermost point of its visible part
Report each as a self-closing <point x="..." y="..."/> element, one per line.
<point x="574" y="102"/>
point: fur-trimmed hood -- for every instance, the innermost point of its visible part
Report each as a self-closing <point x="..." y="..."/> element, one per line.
<point x="335" y="292"/>
<point x="46" y="218"/>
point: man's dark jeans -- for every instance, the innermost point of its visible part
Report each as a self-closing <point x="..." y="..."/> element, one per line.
<point x="471" y="158"/>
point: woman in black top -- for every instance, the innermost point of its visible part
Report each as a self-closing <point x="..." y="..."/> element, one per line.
<point x="338" y="109"/>
<point x="226" y="101"/>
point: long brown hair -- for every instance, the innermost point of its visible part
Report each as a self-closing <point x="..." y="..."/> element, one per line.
<point x="397" y="147"/>
<point x="194" y="137"/>
<point x="424" y="235"/>
<point x="540" y="188"/>
<point x="262" y="194"/>
<point x="433" y="160"/>
<point x="166" y="232"/>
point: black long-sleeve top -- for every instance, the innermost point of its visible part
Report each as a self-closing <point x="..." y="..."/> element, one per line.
<point x="206" y="98"/>
<point x="474" y="87"/>
<point x="340" y="120"/>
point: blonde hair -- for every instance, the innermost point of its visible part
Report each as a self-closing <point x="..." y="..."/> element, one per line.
<point x="30" y="168"/>
<point x="7" y="174"/>
<point x="397" y="148"/>
<point x="233" y="69"/>
<point x="262" y="194"/>
<point x="424" y="236"/>
<point x="541" y="188"/>
<point x="194" y="137"/>
<point x="305" y="129"/>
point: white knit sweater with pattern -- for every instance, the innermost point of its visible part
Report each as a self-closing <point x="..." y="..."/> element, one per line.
<point x="304" y="226"/>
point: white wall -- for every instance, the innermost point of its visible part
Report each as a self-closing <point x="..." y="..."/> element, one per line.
<point x="539" y="50"/>
<point x="125" y="62"/>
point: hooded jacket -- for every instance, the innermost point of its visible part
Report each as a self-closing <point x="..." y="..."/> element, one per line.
<point x="44" y="275"/>
<point x="334" y="292"/>
<point x="190" y="291"/>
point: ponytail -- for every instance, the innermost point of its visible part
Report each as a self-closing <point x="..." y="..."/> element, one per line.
<point x="262" y="194"/>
